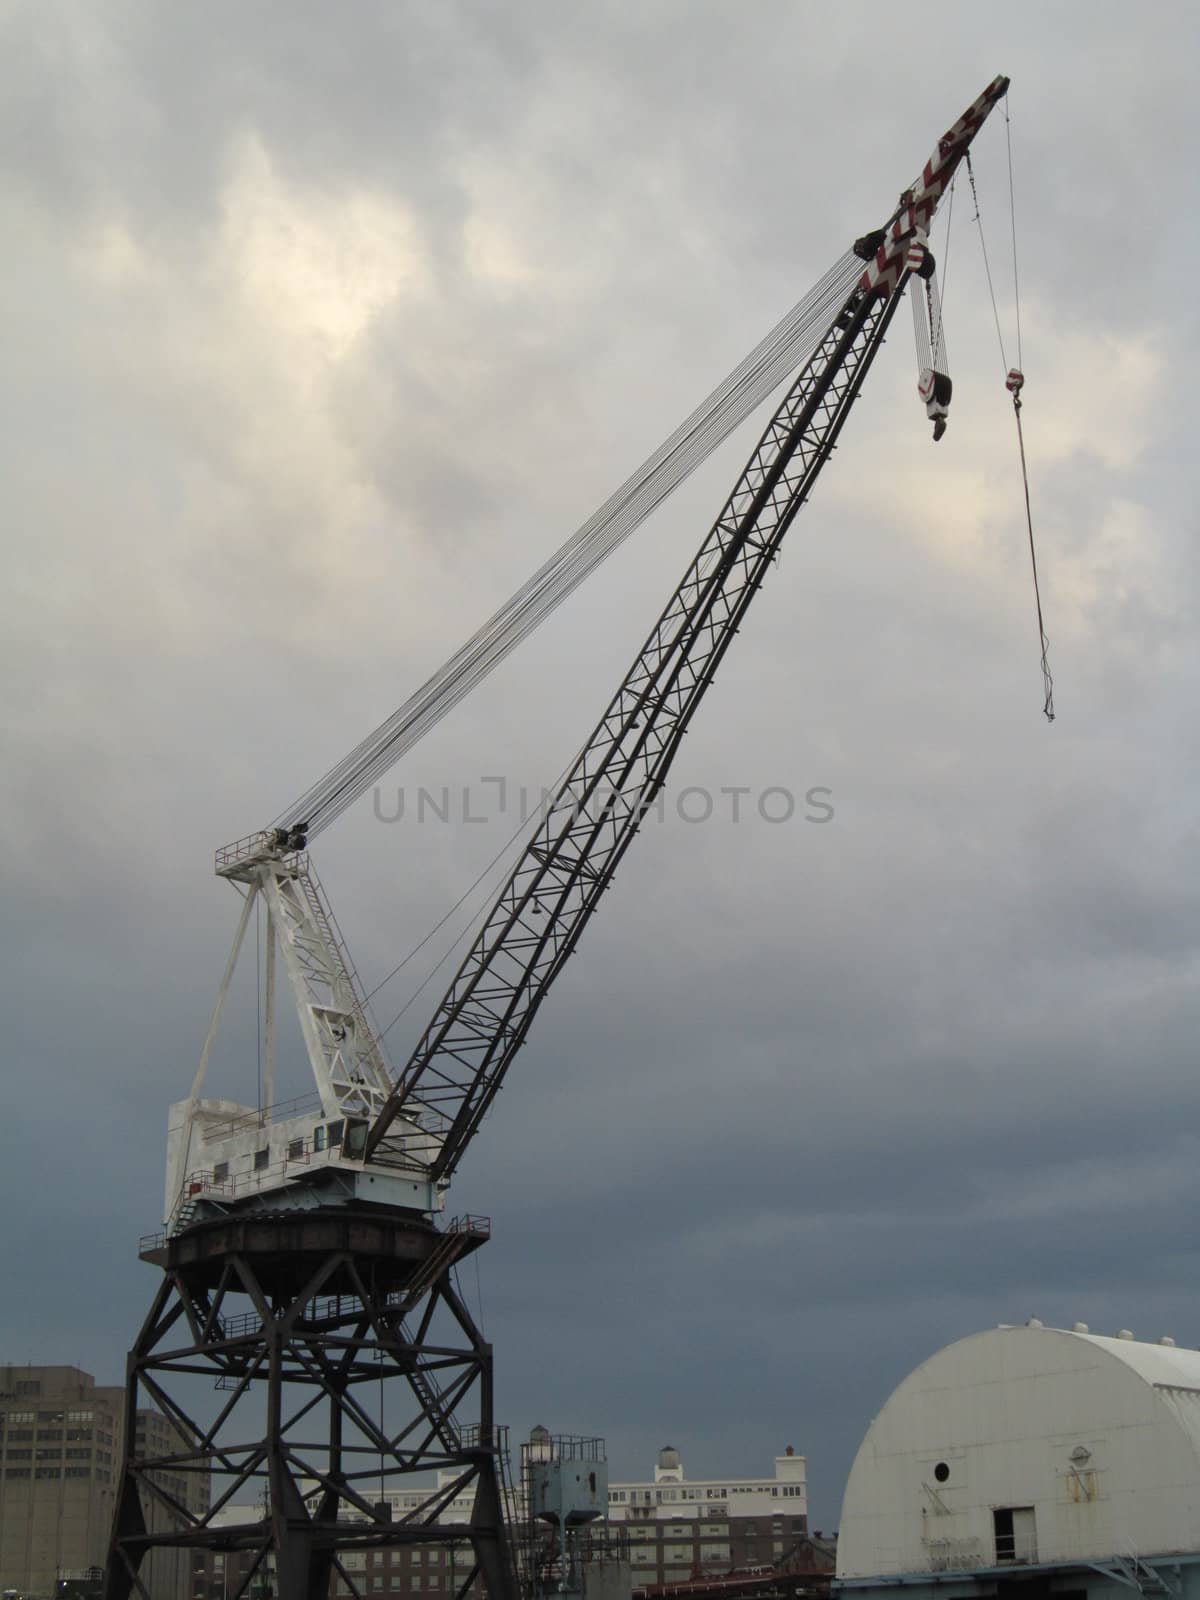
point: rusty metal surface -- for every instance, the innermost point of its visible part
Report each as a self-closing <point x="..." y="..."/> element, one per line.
<point x="392" y="1245"/>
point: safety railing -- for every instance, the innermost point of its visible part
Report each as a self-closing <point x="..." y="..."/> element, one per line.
<point x="298" y="1106"/>
<point x="469" y="1223"/>
<point x="254" y="844"/>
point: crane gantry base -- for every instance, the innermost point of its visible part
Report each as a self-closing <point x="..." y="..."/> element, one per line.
<point x="337" y="1352"/>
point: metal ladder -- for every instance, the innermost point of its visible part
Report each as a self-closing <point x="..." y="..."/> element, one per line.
<point x="331" y="934"/>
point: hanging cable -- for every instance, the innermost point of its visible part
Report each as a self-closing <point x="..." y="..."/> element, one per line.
<point x="258" y="993"/>
<point x="937" y="332"/>
<point x="1012" y="213"/>
<point x="921" y="327"/>
<point x="1014" y="382"/>
<point x="987" y="266"/>
<point x="467" y="927"/>
<point x="1047" y="680"/>
<point x="938" y="336"/>
<point x="517" y="833"/>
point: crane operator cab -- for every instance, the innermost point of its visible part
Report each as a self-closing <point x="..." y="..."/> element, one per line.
<point x="224" y="1157"/>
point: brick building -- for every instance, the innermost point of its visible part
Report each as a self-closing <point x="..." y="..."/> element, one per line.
<point x="680" y="1528"/>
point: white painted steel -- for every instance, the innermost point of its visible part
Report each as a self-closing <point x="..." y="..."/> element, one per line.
<point x="221" y="1153"/>
<point x="1099" y="1438"/>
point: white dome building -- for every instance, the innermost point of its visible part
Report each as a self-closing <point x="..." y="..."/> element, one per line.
<point x="1062" y="1461"/>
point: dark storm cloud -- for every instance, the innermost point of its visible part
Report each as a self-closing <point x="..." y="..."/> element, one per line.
<point x="320" y="334"/>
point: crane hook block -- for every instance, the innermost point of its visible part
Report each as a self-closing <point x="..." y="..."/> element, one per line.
<point x="1015" y="381"/>
<point x="936" y="389"/>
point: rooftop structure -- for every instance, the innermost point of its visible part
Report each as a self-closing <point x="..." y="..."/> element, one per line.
<point x="670" y="1490"/>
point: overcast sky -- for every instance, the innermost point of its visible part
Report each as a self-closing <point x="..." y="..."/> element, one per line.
<point x="322" y="327"/>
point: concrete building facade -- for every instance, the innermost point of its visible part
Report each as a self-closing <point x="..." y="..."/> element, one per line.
<point x="61" y="1440"/>
<point x="1029" y="1462"/>
<point x="680" y="1527"/>
<point x="60" y="1434"/>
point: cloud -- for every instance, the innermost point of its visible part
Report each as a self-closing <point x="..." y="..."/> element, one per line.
<point x="318" y="338"/>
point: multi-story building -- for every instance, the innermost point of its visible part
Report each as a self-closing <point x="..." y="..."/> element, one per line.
<point x="676" y="1528"/>
<point x="680" y="1527"/>
<point x="61" y="1440"/>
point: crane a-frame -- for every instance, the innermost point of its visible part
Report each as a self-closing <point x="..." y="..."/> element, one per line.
<point x="319" y="1217"/>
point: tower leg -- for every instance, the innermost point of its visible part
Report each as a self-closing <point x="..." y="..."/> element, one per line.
<point x="311" y="1371"/>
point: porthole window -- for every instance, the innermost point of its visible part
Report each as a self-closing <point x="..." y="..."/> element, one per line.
<point x="941" y="1472"/>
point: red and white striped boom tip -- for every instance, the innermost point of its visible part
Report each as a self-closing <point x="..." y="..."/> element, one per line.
<point x="918" y="204"/>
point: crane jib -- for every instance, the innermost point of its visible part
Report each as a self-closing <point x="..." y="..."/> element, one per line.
<point x="886" y="255"/>
<point x="539" y="914"/>
<point x="536" y="920"/>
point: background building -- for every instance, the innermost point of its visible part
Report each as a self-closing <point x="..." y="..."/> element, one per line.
<point x="680" y="1527"/>
<point x="61" y="1438"/>
<point x="1032" y="1462"/>
<point x="673" y="1528"/>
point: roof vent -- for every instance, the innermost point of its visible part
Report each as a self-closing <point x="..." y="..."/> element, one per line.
<point x="1168" y="1341"/>
<point x="1035" y="1322"/>
<point x="1079" y="1327"/>
<point x="1124" y="1333"/>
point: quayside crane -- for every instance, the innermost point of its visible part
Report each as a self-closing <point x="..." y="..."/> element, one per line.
<point x="303" y="1260"/>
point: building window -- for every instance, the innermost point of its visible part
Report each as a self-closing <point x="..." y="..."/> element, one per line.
<point x="261" y="1158"/>
<point x="1015" y="1529"/>
<point x="220" y="1172"/>
<point x="296" y="1150"/>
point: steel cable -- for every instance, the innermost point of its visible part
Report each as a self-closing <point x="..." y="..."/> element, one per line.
<point x="777" y="355"/>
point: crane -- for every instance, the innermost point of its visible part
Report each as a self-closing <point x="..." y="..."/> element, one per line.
<point x="371" y="1154"/>
<point x="409" y="1132"/>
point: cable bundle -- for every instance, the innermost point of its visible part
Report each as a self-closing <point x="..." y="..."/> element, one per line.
<point x="783" y="350"/>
